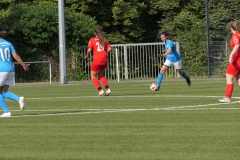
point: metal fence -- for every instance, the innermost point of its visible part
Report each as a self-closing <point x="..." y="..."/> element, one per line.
<point x="141" y="61"/>
<point x="219" y="51"/>
<point x="131" y="61"/>
<point x="126" y="61"/>
<point x="218" y="54"/>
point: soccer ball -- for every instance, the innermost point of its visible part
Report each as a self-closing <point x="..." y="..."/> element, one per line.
<point x="153" y="87"/>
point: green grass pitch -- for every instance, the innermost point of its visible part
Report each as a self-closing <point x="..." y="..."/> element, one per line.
<point x="69" y="122"/>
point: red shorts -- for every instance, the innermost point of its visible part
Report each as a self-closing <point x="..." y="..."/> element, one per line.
<point x="234" y="68"/>
<point x="98" y="67"/>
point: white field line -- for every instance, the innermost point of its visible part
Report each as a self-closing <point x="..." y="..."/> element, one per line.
<point x="186" y="109"/>
<point x="126" y="110"/>
<point x="176" y="83"/>
<point x="157" y="96"/>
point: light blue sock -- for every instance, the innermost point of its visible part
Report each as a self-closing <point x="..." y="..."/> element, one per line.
<point x="185" y="75"/>
<point x="3" y="104"/>
<point x="10" y="95"/>
<point x="159" y="79"/>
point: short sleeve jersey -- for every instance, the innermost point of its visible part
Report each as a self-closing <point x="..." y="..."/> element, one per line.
<point x="172" y="56"/>
<point x="100" y="55"/>
<point x="234" y="41"/>
<point x="6" y="51"/>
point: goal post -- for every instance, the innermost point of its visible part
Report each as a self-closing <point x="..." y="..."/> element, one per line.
<point x="37" y="62"/>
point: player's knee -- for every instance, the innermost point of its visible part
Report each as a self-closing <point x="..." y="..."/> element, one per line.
<point x="93" y="76"/>
<point x="162" y="71"/>
<point x="100" y="77"/>
<point x="180" y="71"/>
<point x="3" y="93"/>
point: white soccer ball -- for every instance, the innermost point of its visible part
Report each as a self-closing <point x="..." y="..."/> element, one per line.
<point x="153" y="87"/>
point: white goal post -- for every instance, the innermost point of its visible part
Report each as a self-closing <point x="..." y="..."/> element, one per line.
<point x="38" y="62"/>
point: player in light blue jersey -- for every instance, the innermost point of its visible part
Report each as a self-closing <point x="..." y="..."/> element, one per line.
<point x="172" y="58"/>
<point x="7" y="74"/>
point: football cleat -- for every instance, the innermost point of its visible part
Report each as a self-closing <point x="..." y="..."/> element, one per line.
<point x="100" y="93"/>
<point x="8" y="114"/>
<point x="188" y="81"/>
<point x="21" y="103"/>
<point x="157" y="89"/>
<point x="107" y="93"/>
<point x="225" y="100"/>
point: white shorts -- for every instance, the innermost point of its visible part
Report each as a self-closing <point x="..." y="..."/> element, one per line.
<point x="177" y="65"/>
<point x="6" y="78"/>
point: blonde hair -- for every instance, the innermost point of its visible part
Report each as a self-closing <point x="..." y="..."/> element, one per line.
<point x="235" y="26"/>
<point x="102" y="39"/>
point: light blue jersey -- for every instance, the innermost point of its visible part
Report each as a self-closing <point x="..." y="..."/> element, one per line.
<point x="6" y="51"/>
<point x="172" y="56"/>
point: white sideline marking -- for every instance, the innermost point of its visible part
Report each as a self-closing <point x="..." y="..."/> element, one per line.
<point x="159" y="96"/>
<point x="150" y="82"/>
<point x="98" y="111"/>
<point x="209" y="109"/>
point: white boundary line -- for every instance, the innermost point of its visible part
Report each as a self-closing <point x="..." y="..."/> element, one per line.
<point x="157" y="96"/>
<point x="100" y="111"/>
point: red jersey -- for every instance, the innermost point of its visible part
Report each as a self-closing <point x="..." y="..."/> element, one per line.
<point x="234" y="41"/>
<point x="100" y="55"/>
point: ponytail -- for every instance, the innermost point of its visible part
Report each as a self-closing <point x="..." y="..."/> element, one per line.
<point x="102" y="39"/>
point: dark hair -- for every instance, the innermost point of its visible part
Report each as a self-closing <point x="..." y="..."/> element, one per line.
<point x="166" y="34"/>
<point x="102" y="39"/>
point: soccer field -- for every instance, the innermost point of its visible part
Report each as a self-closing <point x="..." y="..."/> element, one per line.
<point x="133" y="123"/>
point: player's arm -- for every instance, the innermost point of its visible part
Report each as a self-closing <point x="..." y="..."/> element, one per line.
<point x="88" y="52"/>
<point x="19" y="60"/>
<point x="108" y="48"/>
<point x="166" y="53"/>
<point x="234" y="50"/>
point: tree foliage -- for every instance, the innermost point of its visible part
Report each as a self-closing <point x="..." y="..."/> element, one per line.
<point x="33" y="23"/>
<point x="35" y="27"/>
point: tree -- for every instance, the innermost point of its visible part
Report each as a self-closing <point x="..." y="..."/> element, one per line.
<point x="220" y="14"/>
<point x="36" y="31"/>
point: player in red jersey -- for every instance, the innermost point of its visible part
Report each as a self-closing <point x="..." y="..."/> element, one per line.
<point x="233" y="69"/>
<point x="100" y="47"/>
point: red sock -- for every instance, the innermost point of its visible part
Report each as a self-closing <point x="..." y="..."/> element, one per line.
<point x="229" y="90"/>
<point x="103" y="80"/>
<point x="96" y="83"/>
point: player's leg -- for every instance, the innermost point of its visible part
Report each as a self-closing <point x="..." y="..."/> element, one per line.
<point x="238" y="79"/>
<point x="94" y="77"/>
<point x="238" y="74"/>
<point x="178" y="67"/>
<point x="230" y="74"/>
<point x="163" y="69"/>
<point x="3" y="104"/>
<point x="104" y="80"/>
<point x="10" y="95"/>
